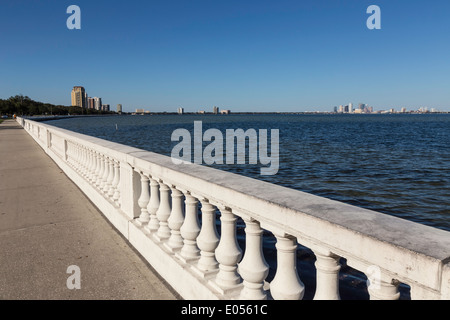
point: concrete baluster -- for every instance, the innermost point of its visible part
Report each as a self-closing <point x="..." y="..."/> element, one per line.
<point x="69" y="153"/>
<point x="49" y="139"/>
<point x="97" y="168"/>
<point x="287" y="285"/>
<point x="88" y="164"/>
<point x="228" y="252"/>
<point x="327" y="266"/>
<point x="208" y="239"/>
<point x="66" y="156"/>
<point x="77" y="157"/>
<point x="163" y="212"/>
<point x="106" y="175"/>
<point x="74" y="155"/>
<point x="379" y="289"/>
<point x="100" y="182"/>
<point x="143" y="200"/>
<point x="102" y="172"/>
<point x="83" y="166"/>
<point x="153" y="206"/>
<point x="116" y="182"/>
<point x="176" y="220"/>
<point x="190" y="230"/>
<point x="81" y="161"/>
<point x="111" y="178"/>
<point x="94" y="167"/>
<point x="253" y="267"/>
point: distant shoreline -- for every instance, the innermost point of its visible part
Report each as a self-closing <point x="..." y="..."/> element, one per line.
<point x="57" y="117"/>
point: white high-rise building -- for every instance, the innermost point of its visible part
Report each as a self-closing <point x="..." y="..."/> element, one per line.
<point x="350" y="107"/>
<point x="98" y="103"/>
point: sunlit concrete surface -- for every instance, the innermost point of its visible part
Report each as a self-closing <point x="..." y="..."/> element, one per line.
<point x="47" y="224"/>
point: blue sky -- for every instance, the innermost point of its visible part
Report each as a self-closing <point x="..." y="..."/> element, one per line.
<point x="240" y="55"/>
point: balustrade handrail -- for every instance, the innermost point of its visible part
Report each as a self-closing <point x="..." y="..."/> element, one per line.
<point x="405" y="251"/>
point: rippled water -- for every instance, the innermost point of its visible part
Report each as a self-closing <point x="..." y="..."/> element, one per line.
<point x="395" y="164"/>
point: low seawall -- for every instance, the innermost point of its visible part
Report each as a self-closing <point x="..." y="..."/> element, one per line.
<point x="48" y="118"/>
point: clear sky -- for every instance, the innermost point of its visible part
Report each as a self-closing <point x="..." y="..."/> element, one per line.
<point x="241" y="55"/>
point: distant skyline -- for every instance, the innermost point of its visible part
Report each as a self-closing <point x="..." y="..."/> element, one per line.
<point x="246" y="56"/>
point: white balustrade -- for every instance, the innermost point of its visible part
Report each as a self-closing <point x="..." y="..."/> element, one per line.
<point x="154" y="203"/>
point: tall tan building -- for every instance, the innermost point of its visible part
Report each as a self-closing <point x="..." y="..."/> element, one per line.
<point x="79" y="97"/>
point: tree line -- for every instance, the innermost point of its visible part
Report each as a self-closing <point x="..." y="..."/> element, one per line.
<point x="24" y="106"/>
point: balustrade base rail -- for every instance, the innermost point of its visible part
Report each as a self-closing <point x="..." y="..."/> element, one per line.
<point x="155" y="204"/>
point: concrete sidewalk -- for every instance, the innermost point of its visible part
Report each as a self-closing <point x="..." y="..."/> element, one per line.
<point x="47" y="225"/>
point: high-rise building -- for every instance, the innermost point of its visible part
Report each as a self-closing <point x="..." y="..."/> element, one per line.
<point x="97" y="103"/>
<point x="105" y="107"/>
<point x="350" y="107"/>
<point x="79" y="97"/>
<point x="180" y="110"/>
<point x="86" y="97"/>
<point x="216" y="110"/>
<point x="91" y="103"/>
<point x="119" y="108"/>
